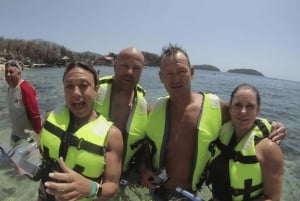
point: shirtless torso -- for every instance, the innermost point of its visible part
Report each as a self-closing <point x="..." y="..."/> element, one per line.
<point x="121" y="104"/>
<point x="181" y="143"/>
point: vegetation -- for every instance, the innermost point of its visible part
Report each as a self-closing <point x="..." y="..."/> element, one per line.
<point x="246" y="71"/>
<point x="207" y="67"/>
<point x="51" y="54"/>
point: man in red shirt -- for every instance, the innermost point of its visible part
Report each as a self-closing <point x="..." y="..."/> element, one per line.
<point x="22" y="104"/>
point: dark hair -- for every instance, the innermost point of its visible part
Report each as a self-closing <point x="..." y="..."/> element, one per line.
<point x="14" y="63"/>
<point x="84" y="66"/>
<point x="246" y="86"/>
<point x="172" y="50"/>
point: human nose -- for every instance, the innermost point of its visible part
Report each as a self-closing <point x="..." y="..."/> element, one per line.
<point x="130" y="70"/>
<point x="243" y="109"/>
<point x="76" y="90"/>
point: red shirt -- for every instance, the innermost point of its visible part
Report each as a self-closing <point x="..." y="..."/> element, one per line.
<point x="30" y="102"/>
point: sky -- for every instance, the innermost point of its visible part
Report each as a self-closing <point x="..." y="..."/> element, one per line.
<point x="259" y="34"/>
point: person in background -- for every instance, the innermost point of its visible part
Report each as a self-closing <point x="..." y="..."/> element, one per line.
<point x="180" y="128"/>
<point x="246" y="164"/>
<point x="81" y="149"/>
<point x="121" y="100"/>
<point x="22" y="104"/>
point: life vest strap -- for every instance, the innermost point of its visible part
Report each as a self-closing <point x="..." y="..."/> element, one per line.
<point x="70" y="139"/>
<point x="137" y="143"/>
<point x="247" y="190"/>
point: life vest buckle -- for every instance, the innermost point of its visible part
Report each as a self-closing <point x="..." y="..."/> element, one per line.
<point x="65" y="137"/>
<point x="79" y="143"/>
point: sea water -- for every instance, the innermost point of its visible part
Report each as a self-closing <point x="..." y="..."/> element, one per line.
<point x="280" y="101"/>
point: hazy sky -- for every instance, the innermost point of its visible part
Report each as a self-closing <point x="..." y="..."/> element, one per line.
<point x="259" y="34"/>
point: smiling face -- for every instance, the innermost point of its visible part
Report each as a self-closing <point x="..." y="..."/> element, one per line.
<point x="80" y="92"/>
<point x="244" y="109"/>
<point x="12" y="75"/>
<point x="128" y="68"/>
<point x="176" y="74"/>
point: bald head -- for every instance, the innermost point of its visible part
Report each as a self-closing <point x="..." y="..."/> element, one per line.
<point x="131" y="52"/>
<point x="128" y="68"/>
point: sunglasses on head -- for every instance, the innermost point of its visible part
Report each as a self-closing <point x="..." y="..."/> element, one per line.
<point x="13" y="63"/>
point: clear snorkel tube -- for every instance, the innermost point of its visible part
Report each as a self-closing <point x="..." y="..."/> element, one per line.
<point x="188" y="194"/>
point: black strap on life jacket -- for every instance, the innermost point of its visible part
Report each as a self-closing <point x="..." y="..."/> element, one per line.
<point x="236" y="155"/>
<point x="137" y="143"/>
<point x="248" y="189"/>
<point x="262" y="128"/>
<point x="150" y="150"/>
<point x="70" y="140"/>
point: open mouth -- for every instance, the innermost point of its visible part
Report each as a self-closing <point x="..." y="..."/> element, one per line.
<point x="78" y="106"/>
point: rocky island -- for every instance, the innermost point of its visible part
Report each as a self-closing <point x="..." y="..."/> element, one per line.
<point x="207" y="67"/>
<point x="246" y="71"/>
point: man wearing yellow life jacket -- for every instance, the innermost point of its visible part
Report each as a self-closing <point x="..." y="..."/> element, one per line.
<point x="134" y="131"/>
<point x="181" y="128"/>
<point x="206" y="132"/>
<point x="81" y="149"/>
<point x="121" y="100"/>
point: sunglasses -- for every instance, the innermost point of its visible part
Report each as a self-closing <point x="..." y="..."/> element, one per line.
<point x="13" y="63"/>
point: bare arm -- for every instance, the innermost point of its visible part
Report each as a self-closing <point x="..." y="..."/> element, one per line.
<point x="113" y="161"/>
<point x="271" y="160"/>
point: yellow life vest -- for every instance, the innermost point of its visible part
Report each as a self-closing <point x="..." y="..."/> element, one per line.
<point x="209" y="125"/>
<point x="245" y="172"/>
<point x="134" y="133"/>
<point x="84" y="148"/>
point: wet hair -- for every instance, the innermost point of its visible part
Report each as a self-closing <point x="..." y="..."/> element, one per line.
<point x="246" y="86"/>
<point x="83" y="65"/>
<point x="14" y="63"/>
<point x="172" y="50"/>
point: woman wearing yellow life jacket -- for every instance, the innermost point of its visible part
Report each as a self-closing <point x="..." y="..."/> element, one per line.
<point x="246" y="164"/>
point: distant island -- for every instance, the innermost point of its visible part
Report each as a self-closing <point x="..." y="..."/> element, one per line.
<point x="206" y="67"/>
<point x="239" y="70"/>
<point x="246" y="71"/>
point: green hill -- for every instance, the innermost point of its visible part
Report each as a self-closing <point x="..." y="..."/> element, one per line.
<point x="246" y="71"/>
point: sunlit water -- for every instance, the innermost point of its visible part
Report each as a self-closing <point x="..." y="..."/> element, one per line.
<point x="280" y="101"/>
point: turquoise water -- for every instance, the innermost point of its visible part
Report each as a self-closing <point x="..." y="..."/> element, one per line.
<point x="280" y="101"/>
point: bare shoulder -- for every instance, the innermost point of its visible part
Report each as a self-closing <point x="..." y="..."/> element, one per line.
<point x="115" y="139"/>
<point x="115" y="131"/>
<point x="267" y="150"/>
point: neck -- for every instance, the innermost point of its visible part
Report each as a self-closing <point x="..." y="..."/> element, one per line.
<point x="182" y="101"/>
<point x="79" y="122"/>
<point x="240" y="133"/>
